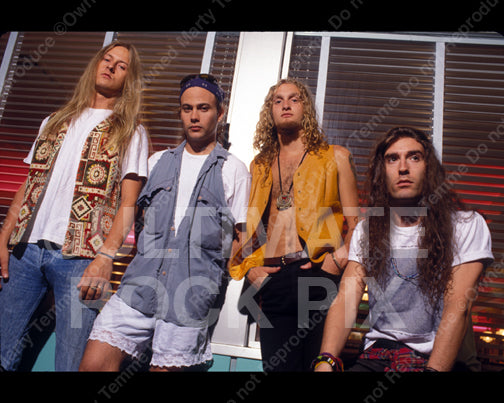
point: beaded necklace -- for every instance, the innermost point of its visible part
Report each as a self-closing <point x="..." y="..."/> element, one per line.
<point x="398" y="274"/>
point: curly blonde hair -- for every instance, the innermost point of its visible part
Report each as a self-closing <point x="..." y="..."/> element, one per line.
<point x="266" y="136"/>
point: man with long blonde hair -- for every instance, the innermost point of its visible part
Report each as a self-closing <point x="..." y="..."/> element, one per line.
<point x="302" y="191"/>
<point x="74" y="210"/>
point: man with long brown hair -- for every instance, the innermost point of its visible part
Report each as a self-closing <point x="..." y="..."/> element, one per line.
<point x="302" y="191"/>
<point x="77" y="205"/>
<point x="420" y="252"/>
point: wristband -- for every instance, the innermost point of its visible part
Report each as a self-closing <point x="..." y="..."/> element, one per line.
<point x="336" y="262"/>
<point x="105" y="254"/>
<point x="334" y="362"/>
<point x="430" y="369"/>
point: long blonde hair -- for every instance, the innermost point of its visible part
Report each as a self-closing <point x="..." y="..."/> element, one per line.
<point x="127" y="108"/>
<point x="266" y="136"/>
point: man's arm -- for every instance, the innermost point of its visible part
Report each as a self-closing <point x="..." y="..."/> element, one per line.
<point x="456" y="311"/>
<point x="238" y="239"/>
<point x="349" y="197"/>
<point x="343" y="312"/>
<point x="7" y="228"/>
<point x="95" y="280"/>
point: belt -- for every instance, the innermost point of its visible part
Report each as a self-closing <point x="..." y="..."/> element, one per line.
<point x="285" y="259"/>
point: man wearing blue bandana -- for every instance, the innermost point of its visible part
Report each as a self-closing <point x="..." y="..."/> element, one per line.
<point x="194" y="206"/>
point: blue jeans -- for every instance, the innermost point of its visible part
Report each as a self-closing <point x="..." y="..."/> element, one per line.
<point x="31" y="273"/>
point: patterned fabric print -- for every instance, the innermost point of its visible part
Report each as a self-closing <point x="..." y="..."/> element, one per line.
<point x="96" y="195"/>
<point x="401" y="360"/>
<point x="43" y="157"/>
<point x="96" y="192"/>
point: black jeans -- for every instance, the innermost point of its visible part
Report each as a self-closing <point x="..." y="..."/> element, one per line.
<point x="295" y="302"/>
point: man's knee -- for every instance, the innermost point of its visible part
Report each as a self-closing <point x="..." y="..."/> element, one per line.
<point x="100" y="356"/>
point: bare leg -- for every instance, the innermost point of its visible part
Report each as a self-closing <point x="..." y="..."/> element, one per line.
<point x="100" y="356"/>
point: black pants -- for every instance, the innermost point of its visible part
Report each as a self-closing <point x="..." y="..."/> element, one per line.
<point x="295" y="302"/>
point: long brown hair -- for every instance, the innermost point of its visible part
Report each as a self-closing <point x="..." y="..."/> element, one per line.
<point x="435" y="269"/>
<point x="127" y="109"/>
<point x="266" y="136"/>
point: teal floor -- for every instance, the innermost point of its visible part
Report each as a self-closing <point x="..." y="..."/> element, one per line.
<point x="222" y="363"/>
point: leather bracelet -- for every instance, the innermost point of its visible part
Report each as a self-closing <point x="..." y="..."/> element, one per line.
<point x="105" y="254"/>
<point x="430" y="369"/>
<point x="335" y="362"/>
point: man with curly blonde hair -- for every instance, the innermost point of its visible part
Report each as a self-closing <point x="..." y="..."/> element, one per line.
<point x="302" y="191"/>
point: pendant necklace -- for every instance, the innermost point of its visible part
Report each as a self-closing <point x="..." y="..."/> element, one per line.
<point x="284" y="201"/>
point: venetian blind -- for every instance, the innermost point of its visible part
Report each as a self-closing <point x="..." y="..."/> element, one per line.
<point x="222" y="68"/>
<point x="372" y="86"/>
<point x="3" y="44"/>
<point x="473" y="148"/>
<point x="304" y="61"/>
<point x="44" y="70"/>
<point x="166" y="58"/>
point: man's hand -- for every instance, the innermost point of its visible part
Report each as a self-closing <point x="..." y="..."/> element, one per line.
<point x="4" y="263"/>
<point x="7" y="228"/>
<point x="95" y="282"/>
<point x="336" y="262"/>
<point x="256" y="275"/>
<point x="333" y="263"/>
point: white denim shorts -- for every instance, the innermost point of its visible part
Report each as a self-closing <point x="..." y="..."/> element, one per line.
<point x="131" y="331"/>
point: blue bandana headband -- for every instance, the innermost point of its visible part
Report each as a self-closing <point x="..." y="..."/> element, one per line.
<point x="199" y="82"/>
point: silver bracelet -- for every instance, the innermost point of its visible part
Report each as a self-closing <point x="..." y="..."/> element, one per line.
<point x="105" y="254"/>
<point x="336" y="262"/>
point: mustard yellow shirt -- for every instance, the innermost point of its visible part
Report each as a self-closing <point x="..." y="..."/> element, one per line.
<point x="319" y="215"/>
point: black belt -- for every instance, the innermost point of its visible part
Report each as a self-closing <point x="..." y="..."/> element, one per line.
<point x="285" y="259"/>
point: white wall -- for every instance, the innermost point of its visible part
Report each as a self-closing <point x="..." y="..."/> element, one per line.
<point x="259" y="63"/>
<point x="258" y="67"/>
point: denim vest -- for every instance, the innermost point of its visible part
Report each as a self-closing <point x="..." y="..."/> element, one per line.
<point x="177" y="277"/>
